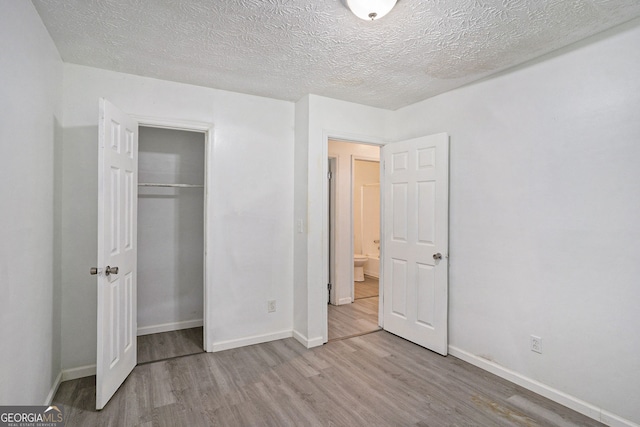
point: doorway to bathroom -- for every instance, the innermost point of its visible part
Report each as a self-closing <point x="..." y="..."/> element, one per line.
<point x="354" y="238"/>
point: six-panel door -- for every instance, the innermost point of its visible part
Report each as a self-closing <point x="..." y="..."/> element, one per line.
<point x="415" y="241"/>
<point x="117" y="246"/>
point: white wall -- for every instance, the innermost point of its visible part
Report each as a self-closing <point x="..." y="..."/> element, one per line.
<point x="344" y="240"/>
<point x="544" y="230"/>
<point x="170" y="229"/>
<point x="30" y="115"/>
<point x="365" y="173"/>
<point x="320" y="118"/>
<point x="300" y="209"/>
<point x="251" y="189"/>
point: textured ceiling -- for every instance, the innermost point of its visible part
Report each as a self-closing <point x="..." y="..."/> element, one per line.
<point x="286" y="49"/>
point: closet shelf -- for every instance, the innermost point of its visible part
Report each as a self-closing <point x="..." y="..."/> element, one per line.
<point x="155" y="184"/>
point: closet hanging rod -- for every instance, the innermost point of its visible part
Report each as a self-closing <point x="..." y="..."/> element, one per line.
<point x="154" y="184"/>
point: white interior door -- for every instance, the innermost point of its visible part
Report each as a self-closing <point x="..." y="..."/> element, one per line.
<point x="117" y="247"/>
<point x="416" y="239"/>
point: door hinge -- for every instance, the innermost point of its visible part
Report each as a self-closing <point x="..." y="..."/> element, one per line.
<point x="329" y="286"/>
<point x="329" y="175"/>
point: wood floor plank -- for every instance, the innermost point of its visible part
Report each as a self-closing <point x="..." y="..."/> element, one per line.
<point x="371" y="380"/>
<point x="366" y="289"/>
<point x="359" y="317"/>
<point x="165" y="345"/>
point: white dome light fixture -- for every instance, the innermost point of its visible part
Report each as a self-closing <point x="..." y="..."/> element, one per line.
<point x="370" y="10"/>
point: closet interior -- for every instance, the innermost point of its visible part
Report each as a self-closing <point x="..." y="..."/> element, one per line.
<point x="171" y="183"/>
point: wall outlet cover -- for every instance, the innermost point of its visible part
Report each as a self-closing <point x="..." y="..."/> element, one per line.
<point x="536" y="344"/>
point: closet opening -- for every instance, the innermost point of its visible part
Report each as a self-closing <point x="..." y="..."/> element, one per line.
<point x="171" y="242"/>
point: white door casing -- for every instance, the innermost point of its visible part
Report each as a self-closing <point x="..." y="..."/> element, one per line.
<point x="416" y="230"/>
<point x="117" y="247"/>
<point x="331" y="224"/>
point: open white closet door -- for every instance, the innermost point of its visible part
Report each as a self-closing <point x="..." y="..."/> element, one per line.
<point x="416" y="240"/>
<point x="117" y="250"/>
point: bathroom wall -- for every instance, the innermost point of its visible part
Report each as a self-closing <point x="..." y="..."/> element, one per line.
<point x="365" y="173"/>
<point x="170" y="230"/>
<point x="344" y="152"/>
<point x="371" y="228"/>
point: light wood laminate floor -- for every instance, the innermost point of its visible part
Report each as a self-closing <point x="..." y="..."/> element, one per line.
<point x="372" y="380"/>
<point x="169" y="344"/>
<point x="366" y="289"/>
<point x="357" y="318"/>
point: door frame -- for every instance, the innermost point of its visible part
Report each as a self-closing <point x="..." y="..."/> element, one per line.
<point x="356" y="139"/>
<point x="207" y="129"/>
<point x="332" y="167"/>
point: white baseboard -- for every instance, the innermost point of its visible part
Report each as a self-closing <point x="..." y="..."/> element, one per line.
<point x="557" y="396"/>
<point x="300" y="338"/>
<point x="347" y="300"/>
<point x="256" y="339"/>
<point x="80" y="372"/>
<point x="308" y="343"/>
<point x="315" y="342"/>
<point x="613" y="420"/>
<point x="166" y="327"/>
<point x="54" y="389"/>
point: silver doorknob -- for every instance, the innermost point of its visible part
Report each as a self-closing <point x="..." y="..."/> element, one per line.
<point x="110" y="270"/>
<point x="107" y="271"/>
<point x="437" y="256"/>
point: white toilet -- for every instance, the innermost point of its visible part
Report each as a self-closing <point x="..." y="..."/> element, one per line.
<point x="358" y="267"/>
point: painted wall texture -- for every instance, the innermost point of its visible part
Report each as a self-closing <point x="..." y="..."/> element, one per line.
<point x="30" y="175"/>
<point x="365" y="231"/>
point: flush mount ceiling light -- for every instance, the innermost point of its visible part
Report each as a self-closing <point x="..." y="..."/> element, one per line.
<point x="370" y="9"/>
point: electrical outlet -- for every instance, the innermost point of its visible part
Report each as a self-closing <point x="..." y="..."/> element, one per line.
<point x="536" y="344"/>
<point x="271" y="306"/>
